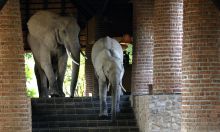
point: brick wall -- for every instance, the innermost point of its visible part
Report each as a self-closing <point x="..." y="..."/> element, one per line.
<point x="15" y="114"/>
<point x="142" y="67"/>
<point x="168" y="16"/>
<point x="201" y="67"/>
<point x="89" y="71"/>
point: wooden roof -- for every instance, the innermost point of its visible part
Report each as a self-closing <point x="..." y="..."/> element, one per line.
<point x="116" y="14"/>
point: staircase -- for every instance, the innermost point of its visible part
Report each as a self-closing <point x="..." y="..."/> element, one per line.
<point x="79" y="114"/>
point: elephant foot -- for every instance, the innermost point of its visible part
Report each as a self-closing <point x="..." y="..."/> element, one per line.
<point x="43" y="96"/>
<point x="103" y="114"/>
<point x="118" y="110"/>
<point x="54" y="96"/>
<point x="62" y="94"/>
<point x="72" y="96"/>
<point x="54" y="93"/>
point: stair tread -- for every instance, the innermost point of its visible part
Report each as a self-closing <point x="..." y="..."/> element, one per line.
<point x="80" y="114"/>
<point x="71" y="107"/>
<point x="81" y="123"/>
<point x="121" y="114"/>
<point x="98" y="127"/>
<point x="76" y="99"/>
<point x="88" y="121"/>
<point x="77" y="103"/>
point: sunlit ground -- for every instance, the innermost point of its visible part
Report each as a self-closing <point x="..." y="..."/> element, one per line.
<point x="31" y="83"/>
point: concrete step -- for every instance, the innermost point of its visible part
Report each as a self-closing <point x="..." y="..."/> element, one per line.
<point x="60" y="111"/>
<point x="80" y="114"/>
<point x="89" y="129"/>
<point x="82" y="123"/>
<point x="73" y="117"/>
<point x="71" y="100"/>
<point x="75" y="105"/>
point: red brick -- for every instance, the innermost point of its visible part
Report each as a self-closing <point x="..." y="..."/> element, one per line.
<point x="15" y="114"/>
<point x="200" y="67"/>
<point x="90" y="77"/>
<point x="168" y="16"/>
<point x="142" y="67"/>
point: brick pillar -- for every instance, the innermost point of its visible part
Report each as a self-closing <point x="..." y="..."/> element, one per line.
<point x="89" y="71"/>
<point x="15" y="114"/>
<point x="142" y="67"/>
<point x="94" y="32"/>
<point x="98" y="31"/>
<point x="168" y="16"/>
<point x="201" y="67"/>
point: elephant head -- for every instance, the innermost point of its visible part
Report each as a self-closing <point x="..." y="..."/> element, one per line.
<point x="67" y="34"/>
<point x="107" y="59"/>
<point x="55" y="30"/>
<point x="51" y="37"/>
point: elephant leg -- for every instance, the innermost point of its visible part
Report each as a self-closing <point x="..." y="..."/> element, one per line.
<point x="41" y="82"/>
<point x="102" y="98"/>
<point x="75" y="73"/>
<point x="115" y="101"/>
<point x="43" y="57"/>
<point x="62" y="63"/>
<point x="46" y="65"/>
<point x="119" y="93"/>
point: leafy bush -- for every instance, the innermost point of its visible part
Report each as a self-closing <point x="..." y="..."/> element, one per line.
<point x="32" y="90"/>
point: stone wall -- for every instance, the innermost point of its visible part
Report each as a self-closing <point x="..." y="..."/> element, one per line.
<point x="158" y="113"/>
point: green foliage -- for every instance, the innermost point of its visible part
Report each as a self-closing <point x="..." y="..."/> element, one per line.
<point x="31" y="92"/>
<point x="80" y="86"/>
<point x="129" y="51"/>
<point x="29" y="72"/>
<point x="28" y="56"/>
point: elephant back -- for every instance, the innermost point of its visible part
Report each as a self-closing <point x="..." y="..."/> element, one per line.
<point x="108" y="44"/>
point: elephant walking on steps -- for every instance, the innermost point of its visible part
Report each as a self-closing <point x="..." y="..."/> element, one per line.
<point x="50" y="38"/>
<point x="107" y="59"/>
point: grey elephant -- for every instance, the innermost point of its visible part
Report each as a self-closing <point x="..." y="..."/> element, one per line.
<point x="51" y="37"/>
<point x="107" y="59"/>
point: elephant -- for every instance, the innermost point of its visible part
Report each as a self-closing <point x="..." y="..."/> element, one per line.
<point x="51" y="39"/>
<point x="107" y="59"/>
